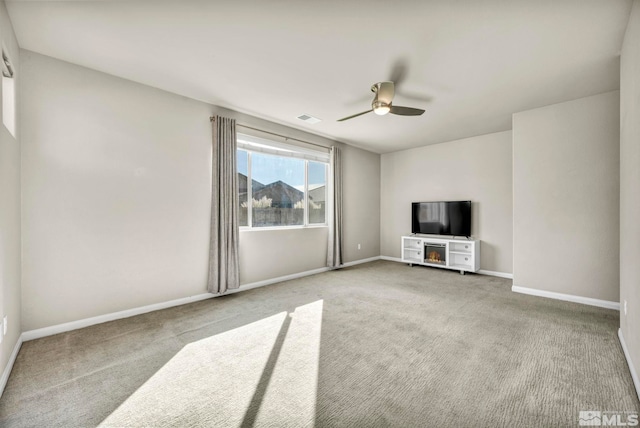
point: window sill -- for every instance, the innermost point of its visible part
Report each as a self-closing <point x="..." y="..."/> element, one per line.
<point x="271" y="228"/>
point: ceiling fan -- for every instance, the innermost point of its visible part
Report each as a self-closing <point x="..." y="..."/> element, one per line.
<point x="382" y="103"/>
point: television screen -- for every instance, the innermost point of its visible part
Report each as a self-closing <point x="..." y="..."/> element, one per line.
<point x="441" y="218"/>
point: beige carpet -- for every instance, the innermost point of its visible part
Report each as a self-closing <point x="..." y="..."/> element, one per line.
<point x="380" y="344"/>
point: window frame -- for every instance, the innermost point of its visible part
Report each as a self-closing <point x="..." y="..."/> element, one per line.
<point x="251" y="144"/>
<point x="9" y="103"/>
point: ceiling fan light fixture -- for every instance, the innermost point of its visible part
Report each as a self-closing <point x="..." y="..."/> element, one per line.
<point x="383" y="103"/>
<point x="380" y="108"/>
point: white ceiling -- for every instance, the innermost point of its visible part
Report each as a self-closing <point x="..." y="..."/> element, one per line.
<point x="477" y="61"/>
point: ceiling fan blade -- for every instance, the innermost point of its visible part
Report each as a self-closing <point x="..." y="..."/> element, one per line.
<point x="385" y="92"/>
<point x="406" y="111"/>
<point x="355" y="115"/>
<point x="399" y="71"/>
<point x="415" y="97"/>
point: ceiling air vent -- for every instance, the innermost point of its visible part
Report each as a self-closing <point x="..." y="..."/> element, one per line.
<point x="309" y="119"/>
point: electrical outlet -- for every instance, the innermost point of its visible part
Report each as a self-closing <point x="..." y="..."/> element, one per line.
<point x="4" y="325"/>
<point x="358" y="246"/>
<point x="625" y="307"/>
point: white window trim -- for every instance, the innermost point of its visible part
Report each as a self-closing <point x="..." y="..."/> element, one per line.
<point x="252" y="144"/>
<point x="9" y="92"/>
<point x="261" y="145"/>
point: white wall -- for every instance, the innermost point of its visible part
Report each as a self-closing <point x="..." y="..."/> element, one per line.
<point x="476" y="169"/>
<point x="115" y="193"/>
<point x="266" y="254"/>
<point x="9" y="209"/>
<point x="116" y="203"/>
<point x="629" y="186"/>
<point x="566" y="197"/>
<point x="361" y="204"/>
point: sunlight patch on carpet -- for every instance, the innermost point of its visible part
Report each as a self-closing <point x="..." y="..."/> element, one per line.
<point x="263" y="371"/>
<point x="291" y="395"/>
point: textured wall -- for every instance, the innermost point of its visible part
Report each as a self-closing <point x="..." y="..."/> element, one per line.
<point x="629" y="186"/>
<point x="566" y="197"/>
<point x="361" y="204"/>
<point x="9" y="209"/>
<point x="116" y="200"/>
<point x="476" y="169"/>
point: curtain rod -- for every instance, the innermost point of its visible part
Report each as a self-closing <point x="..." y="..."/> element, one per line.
<point x="277" y="135"/>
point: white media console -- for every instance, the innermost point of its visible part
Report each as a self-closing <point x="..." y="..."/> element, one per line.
<point x="448" y="253"/>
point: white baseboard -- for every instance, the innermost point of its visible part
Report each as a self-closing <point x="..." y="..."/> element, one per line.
<point x="494" y="273"/>
<point x="392" y="259"/>
<point x="257" y="284"/>
<point x="567" y="297"/>
<point x="358" y="262"/>
<point x="74" y="325"/>
<point x="7" y="370"/>
<point x="634" y="374"/>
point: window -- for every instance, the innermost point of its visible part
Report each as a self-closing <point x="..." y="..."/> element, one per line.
<point x="317" y="188"/>
<point x="8" y="95"/>
<point x="280" y="185"/>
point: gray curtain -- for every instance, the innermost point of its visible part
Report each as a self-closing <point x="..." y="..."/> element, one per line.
<point x="334" y="253"/>
<point x="224" y="270"/>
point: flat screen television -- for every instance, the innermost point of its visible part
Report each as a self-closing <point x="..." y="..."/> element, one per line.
<point x="441" y="218"/>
